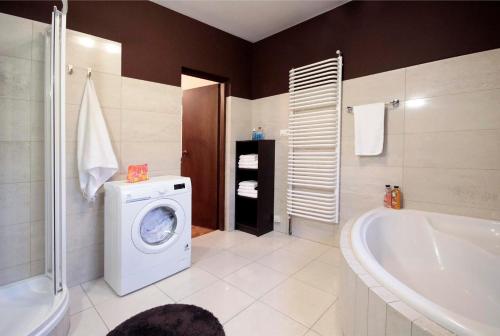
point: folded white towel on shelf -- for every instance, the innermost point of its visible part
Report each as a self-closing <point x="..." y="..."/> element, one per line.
<point x="248" y="194"/>
<point x="250" y="183"/>
<point x="369" y="129"/>
<point x="246" y="188"/>
<point x="253" y="157"/>
<point x="246" y="166"/>
<point x="249" y="158"/>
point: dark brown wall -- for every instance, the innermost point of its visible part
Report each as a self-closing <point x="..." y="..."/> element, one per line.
<point x="156" y="42"/>
<point x="375" y="37"/>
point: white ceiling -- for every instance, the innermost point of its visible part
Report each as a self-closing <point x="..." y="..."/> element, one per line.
<point x="251" y="20"/>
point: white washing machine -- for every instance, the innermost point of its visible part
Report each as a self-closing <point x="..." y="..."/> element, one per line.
<point x="147" y="234"/>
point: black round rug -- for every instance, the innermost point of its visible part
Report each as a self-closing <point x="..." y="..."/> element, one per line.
<point x="171" y="320"/>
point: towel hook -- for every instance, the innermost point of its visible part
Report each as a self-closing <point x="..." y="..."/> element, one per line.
<point x="89" y="72"/>
<point x="393" y="103"/>
<point x="70" y="69"/>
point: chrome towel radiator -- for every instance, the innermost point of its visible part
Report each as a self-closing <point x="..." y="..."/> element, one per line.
<point x="314" y="140"/>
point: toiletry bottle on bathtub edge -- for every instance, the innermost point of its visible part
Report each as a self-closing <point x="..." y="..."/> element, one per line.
<point x="396" y="198"/>
<point x="388" y="196"/>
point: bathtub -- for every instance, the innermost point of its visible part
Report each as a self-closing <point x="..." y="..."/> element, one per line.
<point x="446" y="268"/>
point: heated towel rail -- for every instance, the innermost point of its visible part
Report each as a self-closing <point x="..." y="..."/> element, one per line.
<point x="314" y="140"/>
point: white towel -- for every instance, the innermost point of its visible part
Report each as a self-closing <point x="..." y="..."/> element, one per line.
<point x="248" y="194"/>
<point x="369" y="129"/>
<point x="249" y="157"/>
<point x="96" y="158"/>
<point x="246" y="188"/>
<point x="250" y="183"/>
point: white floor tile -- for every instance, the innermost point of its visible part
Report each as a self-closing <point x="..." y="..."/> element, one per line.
<point x="321" y="276"/>
<point x="200" y="252"/>
<point x="222" y="264"/>
<point x="284" y="261"/>
<point x="299" y="301"/>
<point x="221" y="299"/>
<point x="312" y="333"/>
<point x="255" y="279"/>
<point x="87" y="323"/>
<point x="331" y="257"/>
<point x="222" y="239"/>
<point x="78" y="300"/>
<point x="329" y="323"/>
<point x="260" y="319"/>
<point x="98" y="291"/>
<point x="115" y="311"/>
<point x="186" y="283"/>
<point x="254" y="249"/>
<point x="306" y="248"/>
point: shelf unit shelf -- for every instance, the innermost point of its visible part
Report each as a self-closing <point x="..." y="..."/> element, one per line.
<point x="256" y="215"/>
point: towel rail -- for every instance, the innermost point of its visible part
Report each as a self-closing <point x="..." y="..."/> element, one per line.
<point x="314" y="140"/>
<point x="394" y="103"/>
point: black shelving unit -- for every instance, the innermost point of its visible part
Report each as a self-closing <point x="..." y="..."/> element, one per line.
<point x="256" y="215"/>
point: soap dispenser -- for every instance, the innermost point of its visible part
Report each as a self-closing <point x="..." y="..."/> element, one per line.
<point x="396" y="198"/>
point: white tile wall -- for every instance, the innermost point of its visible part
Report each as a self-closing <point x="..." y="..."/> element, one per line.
<point x="21" y="133"/>
<point x="443" y="154"/>
<point x="144" y="123"/>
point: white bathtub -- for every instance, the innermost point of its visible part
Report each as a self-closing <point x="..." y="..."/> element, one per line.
<point x="445" y="267"/>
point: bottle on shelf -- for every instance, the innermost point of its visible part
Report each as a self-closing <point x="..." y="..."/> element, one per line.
<point x="388" y="196"/>
<point x="396" y="198"/>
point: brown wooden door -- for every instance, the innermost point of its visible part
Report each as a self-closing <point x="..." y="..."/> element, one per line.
<point x="200" y="124"/>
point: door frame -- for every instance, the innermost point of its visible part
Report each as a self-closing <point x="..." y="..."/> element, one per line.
<point x="221" y="139"/>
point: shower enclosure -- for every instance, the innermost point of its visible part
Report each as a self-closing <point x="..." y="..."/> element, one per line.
<point x="33" y="292"/>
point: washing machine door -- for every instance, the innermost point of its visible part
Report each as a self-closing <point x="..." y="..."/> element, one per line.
<point x="158" y="226"/>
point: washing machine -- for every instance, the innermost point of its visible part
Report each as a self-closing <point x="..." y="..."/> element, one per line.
<point x="147" y="231"/>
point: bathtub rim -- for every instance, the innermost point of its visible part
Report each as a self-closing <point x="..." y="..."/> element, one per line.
<point x="413" y="299"/>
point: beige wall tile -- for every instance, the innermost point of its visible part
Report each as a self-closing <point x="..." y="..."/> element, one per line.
<point x="14" y="120"/>
<point x="37" y="81"/>
<point x="361" y="309"/>
<point x="14" y="200"/>
<point x="397" y="324"/>
<point x="478" y="71"/>
<point x="141" y="126"/>
<point x="15" y="273"/>
<point x="377" y="312"/>
<point x="15" y="34"/>
<point x="87" y="51"/>
<point x="466" y="111"/>
<point x="15" y="158"/>
<point x="453" y="209"/>
<point x="37" y="240"/>
<point x="107" y="86"/>
<point x="37" y="201"/>
<point x="159" y="156"/>
<point x="466" y="149"/>
<point x="37" y="162"/>
<point x="391" y="156"/>
<point x="40" y="31"/>
<point x="370" y="180"/>
<point x="84" y="264"/>
<point x="14" y="249"/>
<point x="15" y="80"/>
<point x="148" y="96"/>
<point x="75" y="202"/>
<point x="85" y="229"/>
<point x="457" y="187"/>
<point x="37" y="121"/>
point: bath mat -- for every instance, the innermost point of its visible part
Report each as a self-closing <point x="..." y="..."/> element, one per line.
<point x="171" y="320"/>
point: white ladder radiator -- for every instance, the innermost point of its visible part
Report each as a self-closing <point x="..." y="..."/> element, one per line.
<point x="314" y="140"/>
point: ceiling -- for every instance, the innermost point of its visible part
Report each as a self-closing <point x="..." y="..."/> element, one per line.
<point x="251" y="20"/>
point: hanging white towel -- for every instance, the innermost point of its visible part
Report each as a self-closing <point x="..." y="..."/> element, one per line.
<point x="369" y="129"/>
<point x="96" y="158"/>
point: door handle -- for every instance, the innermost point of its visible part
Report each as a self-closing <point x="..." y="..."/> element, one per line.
<point x="185" y="152"/>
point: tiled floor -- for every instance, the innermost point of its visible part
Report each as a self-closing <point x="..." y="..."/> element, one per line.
<point x="272" y="285"/>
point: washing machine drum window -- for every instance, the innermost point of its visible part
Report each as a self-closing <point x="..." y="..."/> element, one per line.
<point x="158" y="225"/>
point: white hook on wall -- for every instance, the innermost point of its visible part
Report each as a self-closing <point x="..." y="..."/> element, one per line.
<point x="89" y="72"/>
